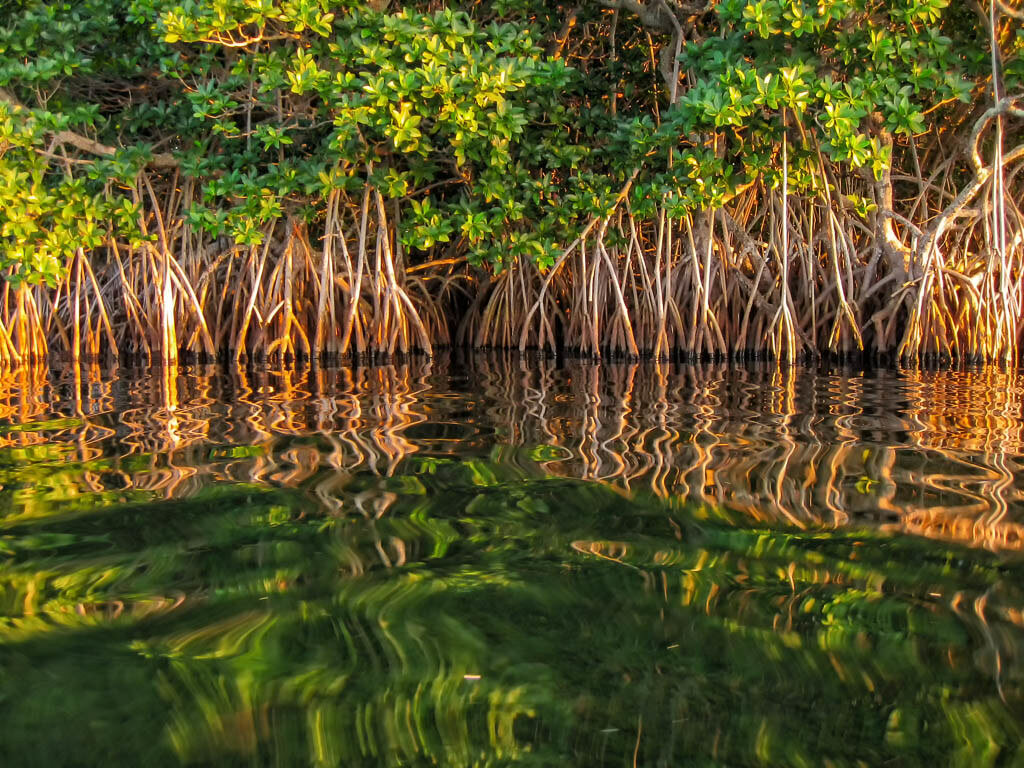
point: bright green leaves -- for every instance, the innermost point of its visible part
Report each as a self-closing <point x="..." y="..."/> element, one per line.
<point x="796" y="82"/>
<point x="841" y="70"/>
<point x="393" y="184"/>
<point x="44" y="218"/>
<point x="273" y="137"/>
<point x="698" y="180"/>
<point x="1013" y="67"/>
<point x="404" y="130"/>
<point x="38" y="41"/>
<point x="881" y="44"/>
<point x="791" y="18"/>
<point x="212" y="221"/>
<point x="304" y="74"/>
<point x="762" y="18"/>
<point x="18" y="127"/>
<point x="313" y="15"/>
<point x="243" y="222"/>
<point x="43" y="224"/>
<point x="482" y="142"/>
<point x="476" y="226"/>
<point x="419" y="97"/>
<point x="912" y="11"/>
<point x="238" y="23"/>
<point x="902" y="115"/>
<point x="721" y="106"/>
<point x="860" y="150"/>
<point x="425" y="226"/>
<point x="799" y="19"/>
<point x="55" y="201"/>
<point x="862" y="206"/>
<point x="441" y="77"/>
<point x="842" y="118"/>
<point x="211" y="101"/>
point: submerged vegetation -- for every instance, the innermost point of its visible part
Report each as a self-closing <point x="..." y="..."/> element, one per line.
<point x="312" y="178"/>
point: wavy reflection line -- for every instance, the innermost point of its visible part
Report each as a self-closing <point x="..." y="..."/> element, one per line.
<point x="935" y="455"/>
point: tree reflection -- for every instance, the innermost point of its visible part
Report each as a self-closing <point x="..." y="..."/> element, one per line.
<point x="477" y="566"/>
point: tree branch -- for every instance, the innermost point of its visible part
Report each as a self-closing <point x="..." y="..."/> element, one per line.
<point x="664" y="16"/>
<point x="659" y="16"/>
<point x="162" y="160"/>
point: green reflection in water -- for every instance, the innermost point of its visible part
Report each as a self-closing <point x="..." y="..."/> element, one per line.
<point x="493" y="617"/>
<point x="478" y="612"/>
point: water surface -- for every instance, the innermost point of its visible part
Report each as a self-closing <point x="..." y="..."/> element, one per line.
<point x="505" y="562"/>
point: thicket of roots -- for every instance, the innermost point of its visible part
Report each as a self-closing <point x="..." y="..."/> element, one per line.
<point x="929" y="267"/>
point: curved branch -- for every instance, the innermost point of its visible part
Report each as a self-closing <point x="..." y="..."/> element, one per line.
<point x="652" y="18"/>
<point x="982" y="173"/>
<point x="1013" y="12"/>
<point x="659" y="16"/>
<point x="161" y="160"/>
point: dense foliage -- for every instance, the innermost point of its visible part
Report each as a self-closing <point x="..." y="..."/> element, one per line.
<point x="156" y="142"/>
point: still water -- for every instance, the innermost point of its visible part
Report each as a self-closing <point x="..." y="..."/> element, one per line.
<point x="485" y="562"/>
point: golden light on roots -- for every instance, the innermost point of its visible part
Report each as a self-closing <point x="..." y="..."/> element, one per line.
<point x="770" y="273"/>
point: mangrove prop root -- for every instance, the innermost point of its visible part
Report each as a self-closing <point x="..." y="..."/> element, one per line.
<point x="771" y="272"/>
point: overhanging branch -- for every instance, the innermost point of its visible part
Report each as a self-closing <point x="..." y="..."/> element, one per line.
<point x="161" y="160"/>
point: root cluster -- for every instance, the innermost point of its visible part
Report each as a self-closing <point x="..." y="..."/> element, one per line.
<point x="910" y="267"/>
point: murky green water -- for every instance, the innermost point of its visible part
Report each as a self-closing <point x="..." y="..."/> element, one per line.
<point x="488" y="563"/>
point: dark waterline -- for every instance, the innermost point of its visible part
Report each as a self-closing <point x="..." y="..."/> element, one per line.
<point x="494" y="562"/>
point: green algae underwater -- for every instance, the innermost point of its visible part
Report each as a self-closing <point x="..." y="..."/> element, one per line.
<point x="390" y="568"/>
